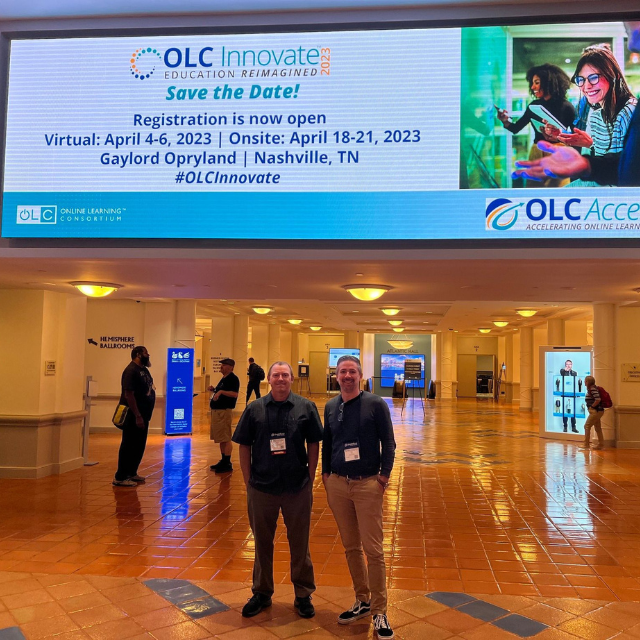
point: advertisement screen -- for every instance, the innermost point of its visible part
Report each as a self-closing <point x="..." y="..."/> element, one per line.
<point x="388" y="134"/>
<point x="565" y="406"/>
<point x="392" y="369"/>
<point x="336" y="354"/>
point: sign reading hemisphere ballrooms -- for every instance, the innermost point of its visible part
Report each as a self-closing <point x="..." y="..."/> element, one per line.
<point x="388" y="134"/>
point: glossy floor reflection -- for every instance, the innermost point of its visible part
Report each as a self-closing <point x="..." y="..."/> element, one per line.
<point x="477" y="504"/>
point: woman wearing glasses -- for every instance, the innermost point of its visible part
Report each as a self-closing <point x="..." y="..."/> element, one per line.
<point x="548" y="85"/>
<point x="611" y="102"/>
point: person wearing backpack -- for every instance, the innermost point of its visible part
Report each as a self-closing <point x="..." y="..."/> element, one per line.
<point x="256" y="376"/>
<point x="596" y="411"/>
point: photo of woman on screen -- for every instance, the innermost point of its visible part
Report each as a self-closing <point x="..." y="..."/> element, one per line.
<point x="548" y="84"/>
<point x="602" y="83"/>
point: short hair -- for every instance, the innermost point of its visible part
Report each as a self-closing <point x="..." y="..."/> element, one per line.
<point x="589" y="381"/>
<point x="251" y="360"/>
<point x="280" y="362"/>
<point x="342" y="359"/>
<point x="571" y="361"/>
<point x="137" y="351"/>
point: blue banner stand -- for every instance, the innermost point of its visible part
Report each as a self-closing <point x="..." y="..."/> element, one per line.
<point x="179" y="398"/>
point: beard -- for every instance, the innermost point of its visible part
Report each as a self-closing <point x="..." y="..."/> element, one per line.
<point x="145" y="362"/>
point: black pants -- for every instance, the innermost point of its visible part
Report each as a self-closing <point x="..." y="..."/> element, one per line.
<point x="564" y="423"/>
<point x="253" y="385"/>
<point x="134" y="441"/>
<point x="264" y="509"/>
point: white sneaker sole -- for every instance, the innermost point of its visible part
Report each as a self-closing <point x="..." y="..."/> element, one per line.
<point x="350" y="620"/>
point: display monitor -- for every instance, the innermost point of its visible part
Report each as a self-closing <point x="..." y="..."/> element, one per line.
<point x="392" y="369"/>
<point x="371" y="134"/>
<point x="336" y="354"/>
<point x="565" y="409"/>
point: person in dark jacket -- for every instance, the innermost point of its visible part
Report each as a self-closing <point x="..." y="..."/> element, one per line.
<point x="358" y="451"/>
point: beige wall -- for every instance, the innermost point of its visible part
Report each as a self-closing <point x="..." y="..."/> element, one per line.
<point x="575" y="333"/>
<point x="486" y="345"/>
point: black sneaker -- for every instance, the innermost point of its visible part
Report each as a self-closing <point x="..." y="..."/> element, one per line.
<point x="213" y="467"/>
<point x="357" y="611"/>
<point x="256" y="603"/>
<point x="224" y="468"/>
<point x="304" y="607"/>
<point x="382" y="627"/>
<point x="575" y="431"/>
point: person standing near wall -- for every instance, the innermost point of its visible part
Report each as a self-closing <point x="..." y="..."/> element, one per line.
<point x="593" y="400"/>
<point x="139" y="394"/>
<point x="223" y="402"/>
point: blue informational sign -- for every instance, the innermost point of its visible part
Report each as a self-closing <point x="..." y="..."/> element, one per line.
<point x="179" y="406"/>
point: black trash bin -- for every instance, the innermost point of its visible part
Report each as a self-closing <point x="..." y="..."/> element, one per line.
<point x="431" y="395"/>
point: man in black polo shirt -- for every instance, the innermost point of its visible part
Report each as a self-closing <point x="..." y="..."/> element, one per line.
<point x="278" y="472"/>
<point x="358" y="451"/>
<point x="139" y="394"/>
<point x="223" y="402"/>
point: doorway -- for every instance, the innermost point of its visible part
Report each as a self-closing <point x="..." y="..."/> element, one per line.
<point x="476" y="375"/>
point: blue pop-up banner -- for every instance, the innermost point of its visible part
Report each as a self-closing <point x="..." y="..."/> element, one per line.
<point x="179" y="398"/>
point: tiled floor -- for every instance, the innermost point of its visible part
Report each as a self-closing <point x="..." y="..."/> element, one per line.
<point x="477" y="504"/>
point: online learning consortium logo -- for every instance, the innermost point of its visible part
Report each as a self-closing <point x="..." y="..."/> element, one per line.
<point x="502" y="214"/>
<point x="143" y="62"/>
<point x="37" y="214"/>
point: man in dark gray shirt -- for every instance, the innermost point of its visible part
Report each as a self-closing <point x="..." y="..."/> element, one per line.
<point x="278" y="471"/>
<point x="358" y="450"/>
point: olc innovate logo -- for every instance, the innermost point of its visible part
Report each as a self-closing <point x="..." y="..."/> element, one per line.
<point x="501" y="214"/>
<point x="37" y="214"/>
<point x="143" y="62"/>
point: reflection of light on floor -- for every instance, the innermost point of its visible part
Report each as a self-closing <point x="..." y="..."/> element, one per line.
<point x="175" y="482"/>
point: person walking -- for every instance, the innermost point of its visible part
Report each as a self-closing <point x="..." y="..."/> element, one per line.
<point x="256" y="376"/>
<point x="358" y="451"/>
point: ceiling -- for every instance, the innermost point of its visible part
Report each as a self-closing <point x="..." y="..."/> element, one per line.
<point x="433" y="293"/>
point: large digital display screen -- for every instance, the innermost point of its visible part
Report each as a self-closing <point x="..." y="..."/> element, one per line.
<point x="565" y="406"/>
<point x="392" y="369"/>
<point x="335" y="354"/>
<point x="389" y="134"/>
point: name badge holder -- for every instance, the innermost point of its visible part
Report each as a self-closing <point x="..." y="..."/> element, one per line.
<point x="351" y="451"/>
<point x="278" y="444"/>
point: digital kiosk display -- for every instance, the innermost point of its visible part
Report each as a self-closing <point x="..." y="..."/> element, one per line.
<point x="379" y="134"/>
<point x="336" y="354"/>
<point x="564" y="389"/>
<point x="392" y="369"/>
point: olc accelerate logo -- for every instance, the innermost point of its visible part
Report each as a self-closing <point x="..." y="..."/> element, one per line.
<point x="502" y="214"/>
<point x="143" y="61"/>
<point x="37" y="214"/>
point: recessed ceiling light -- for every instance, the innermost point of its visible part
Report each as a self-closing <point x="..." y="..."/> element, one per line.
<point x="395" y="323"/>
<point x="262" y="310"/>
<point x="359" y="274"/>
<point x="500" y="323"/>
<point x="484" y="330"/>
<point x="315" y="328"/>
<point x="394" y="311"/>
<point x="398" y="329"/>
<point x="526" y="313"/>
<point x="294" y="321"/>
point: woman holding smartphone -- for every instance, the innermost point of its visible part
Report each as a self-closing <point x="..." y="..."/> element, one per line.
<point x="611" y="103"/>
<point x="548" y="85"/>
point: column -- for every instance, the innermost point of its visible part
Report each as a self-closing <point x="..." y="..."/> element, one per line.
<point x="185" y="323"/>
<point x="274" y="344"/>
<point x="526" y="369"/>
<point x="555" y="332"/>
<point x="351" y="340"/>
<point x="448" y="367"/>
<point x="436" y="345"/>
<point x="604" y="359"/>
<point x="42" y="341"/>
<point x="508" y="363"/>
<point x="241" y="355"/>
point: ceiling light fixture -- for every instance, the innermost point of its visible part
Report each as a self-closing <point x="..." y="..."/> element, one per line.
<point x="395" y="323"/>
<point x="394" y="311"/>
<point x="294" y="321"/>
<point x="315" y="328"/>
<point x="262" y="311"/>
<point x="526" y="313"/>
<point x="484" y="330"/>
<point x="96" y="289"/>
<point x="401" y="344"/>
<point x="366" y="292"/>
<point x="500" y="323"/>
<point x="398" y="329"/>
